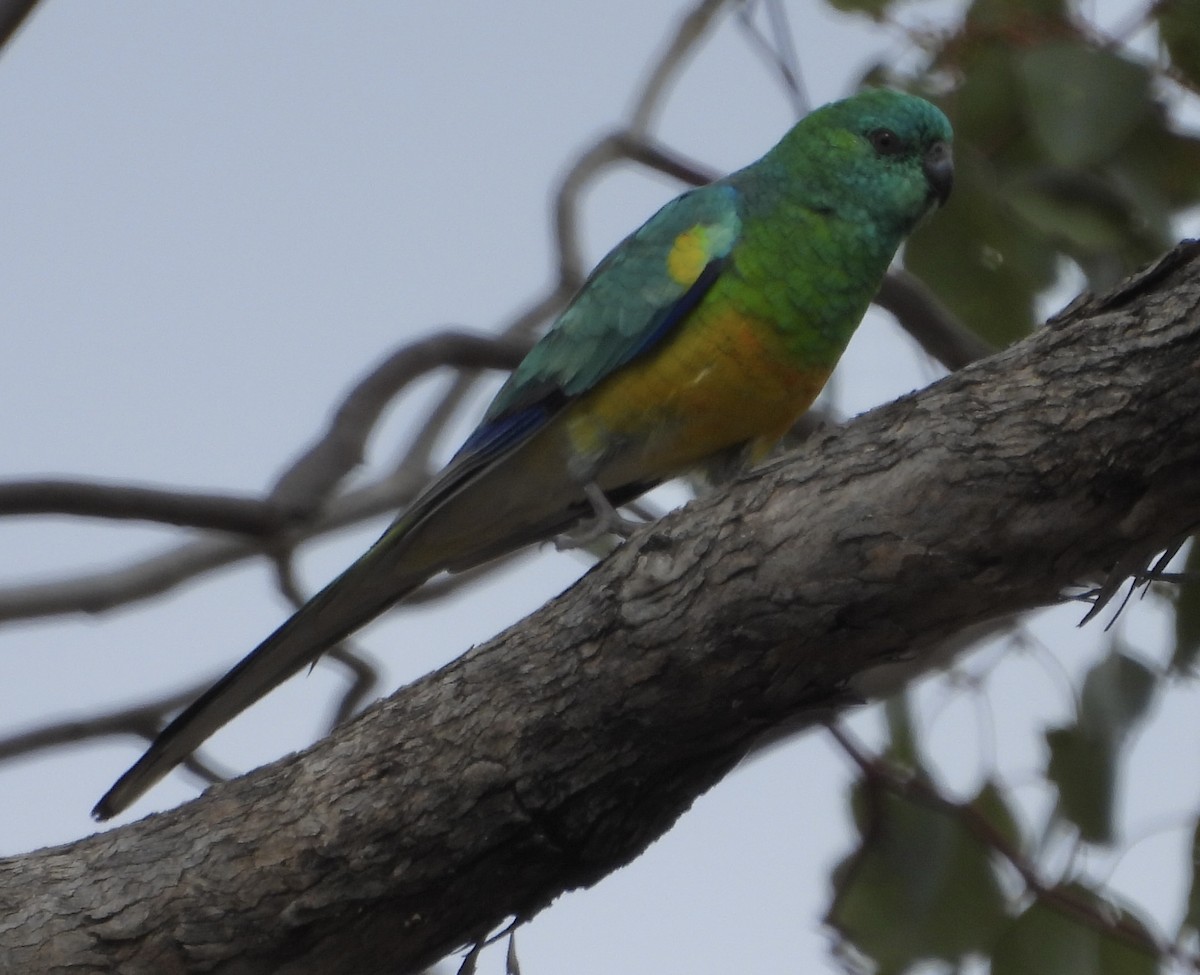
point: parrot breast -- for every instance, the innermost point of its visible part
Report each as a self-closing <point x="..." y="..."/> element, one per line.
<point x="725" y="379"/>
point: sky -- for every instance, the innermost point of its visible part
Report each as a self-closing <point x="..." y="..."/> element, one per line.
<point x="216" y="216"/>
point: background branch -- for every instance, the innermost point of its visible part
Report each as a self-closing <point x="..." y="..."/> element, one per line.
<point x="555" y="753"/>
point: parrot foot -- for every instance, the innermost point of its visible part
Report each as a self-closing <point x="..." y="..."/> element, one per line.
<point x="606" y="520"/>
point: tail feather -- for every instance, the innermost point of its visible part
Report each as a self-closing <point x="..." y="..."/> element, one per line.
<point x="332" y="615"/>
<point x="474" y="512"/>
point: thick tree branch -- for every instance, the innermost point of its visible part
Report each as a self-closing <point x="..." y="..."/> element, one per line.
<point x="555" y="753"/>
<point x="12" y="16"/>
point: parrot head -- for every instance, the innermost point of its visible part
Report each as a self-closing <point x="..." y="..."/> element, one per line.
<point x="882" y="158"/>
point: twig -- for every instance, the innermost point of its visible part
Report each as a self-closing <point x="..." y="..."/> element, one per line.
<point x="879" y="774"/>
<point x="142" y="721"/>
<point x="188" y="509"/>
<point x="927" y="320"/>
<point x="316" y="473"/>
<point x="13" y="14"/>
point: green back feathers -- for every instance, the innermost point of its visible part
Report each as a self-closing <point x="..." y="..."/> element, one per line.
<point x="799" y="240"/>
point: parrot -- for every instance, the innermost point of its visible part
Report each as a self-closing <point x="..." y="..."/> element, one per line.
<point x="706" y="333"/>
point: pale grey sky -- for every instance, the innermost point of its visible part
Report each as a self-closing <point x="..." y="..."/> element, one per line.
<point x="215" y="216"/>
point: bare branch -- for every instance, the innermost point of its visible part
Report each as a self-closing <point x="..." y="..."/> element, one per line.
<point x="555" y="753"/>
<point x="221" y="512"/>
<point x="313" y="476"/>
<point x="13" y="14"/>
<point x="927" y="320"/>
<point x="779" y="51"/>
<point x="879" y="775"/>
<point x="692" y="29"/>
<point x="98" y="592"/>
<point x="142" y="721"/>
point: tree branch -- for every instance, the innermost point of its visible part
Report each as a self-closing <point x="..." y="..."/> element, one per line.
<point x="558" y="751"/>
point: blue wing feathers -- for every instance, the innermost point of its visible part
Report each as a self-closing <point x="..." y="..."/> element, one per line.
<point x="628" y="305"/>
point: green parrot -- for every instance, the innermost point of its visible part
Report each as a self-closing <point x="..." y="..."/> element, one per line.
<point x="707" y="331"/>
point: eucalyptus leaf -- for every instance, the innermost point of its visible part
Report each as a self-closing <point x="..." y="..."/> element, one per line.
<point x="1082" y="102"/>
<point x="1045" y="940"/>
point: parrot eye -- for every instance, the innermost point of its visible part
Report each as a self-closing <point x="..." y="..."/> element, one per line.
<point x="886" y="142"/>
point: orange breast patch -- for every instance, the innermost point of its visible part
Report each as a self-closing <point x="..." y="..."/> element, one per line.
<point x="725" y="379"/>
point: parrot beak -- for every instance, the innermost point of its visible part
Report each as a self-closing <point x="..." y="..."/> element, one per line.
<point x="938" y="166"/>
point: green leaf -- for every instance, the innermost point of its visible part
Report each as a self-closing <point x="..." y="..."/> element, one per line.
<point x="1046" y="941"/>
<point x="903" y="747"/>
<point x="1116" y="694"/>
<point x="993" y="807"/>
<point x="981" y="260"/>
<point x="1187" y="616"/>
<point x="1084" y="769"/>
<point x="1158" y="170"/>
<point x="994" y="16"/>
<point x="1081" y="212"/>
<point x="1084" y="757"/>
<point x="1086" y="216"/>
<point x="1082" y="103"/>
<point x="920" y="886"/>
<point x="1177" y="29"/>
<point x="984" y="108"/>
<point x="875" y="9"/>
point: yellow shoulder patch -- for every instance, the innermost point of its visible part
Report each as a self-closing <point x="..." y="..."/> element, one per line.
<point x="689" y="255"/>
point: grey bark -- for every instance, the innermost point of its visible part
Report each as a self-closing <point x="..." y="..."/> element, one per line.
<point x="558" y="751"/>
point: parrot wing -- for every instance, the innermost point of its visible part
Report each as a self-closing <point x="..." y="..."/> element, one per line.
<point x="636" y="296"/>
<point x="639" y="294"/>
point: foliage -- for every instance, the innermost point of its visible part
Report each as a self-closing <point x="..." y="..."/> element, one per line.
<point x="1072" y="165"/>
<point x="1065" y="150"/>
<point x="1069" y="155"/>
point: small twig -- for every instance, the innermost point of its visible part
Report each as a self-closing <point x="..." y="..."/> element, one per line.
<point x="187" y="509"/>
<point x="97" y="592"/>
<point x="13" y="14"/>
<point x="364" y="678"/>
<point x="927" y="320"/>
<point x="880" y="774"/>
<point x="658" y="157"/>
<point x="692" y="28"/>
<point x="316" y="473"/>
<point x="363" y="675"/>
<point x="142" y="721"/>
<point x="779" y="50"/>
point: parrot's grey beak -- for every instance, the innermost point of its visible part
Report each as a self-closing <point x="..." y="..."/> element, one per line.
<point x="938" y="166"/>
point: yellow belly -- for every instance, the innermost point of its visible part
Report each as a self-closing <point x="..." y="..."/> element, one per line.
<point x="724" y="380"/>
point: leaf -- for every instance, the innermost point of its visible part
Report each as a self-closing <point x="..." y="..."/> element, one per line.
<point x="993" y="807"/>
<point x="903" y="747"/>
<point x="1015" y="15"/>
<point x="984" y="108"/>
<point x="1046" y="941"/>
<point x="1083" y="768"/>
<point x="1177" y="20"/>
<point x="1116" y="694"/>
<point x="920" y="886"/>
<point x="1159" y="159"/>
<point x="512" y="964"/>
<point x="1084" y="757"/>
<point x="1187" y="616"/>
<point x="1087" y="217"/>
<point x="875" y="9"/>
<point x="1082" y="212"/>
<point x="980" y="259"/>
<point x="1082" y="103"/>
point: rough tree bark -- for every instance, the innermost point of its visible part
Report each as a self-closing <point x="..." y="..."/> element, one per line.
<point x="555" y="753"/>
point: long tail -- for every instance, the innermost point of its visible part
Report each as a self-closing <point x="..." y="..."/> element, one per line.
<point x="470" y="514"/>
<point x="475" y="510"/>
<point x="359" y="594"/>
